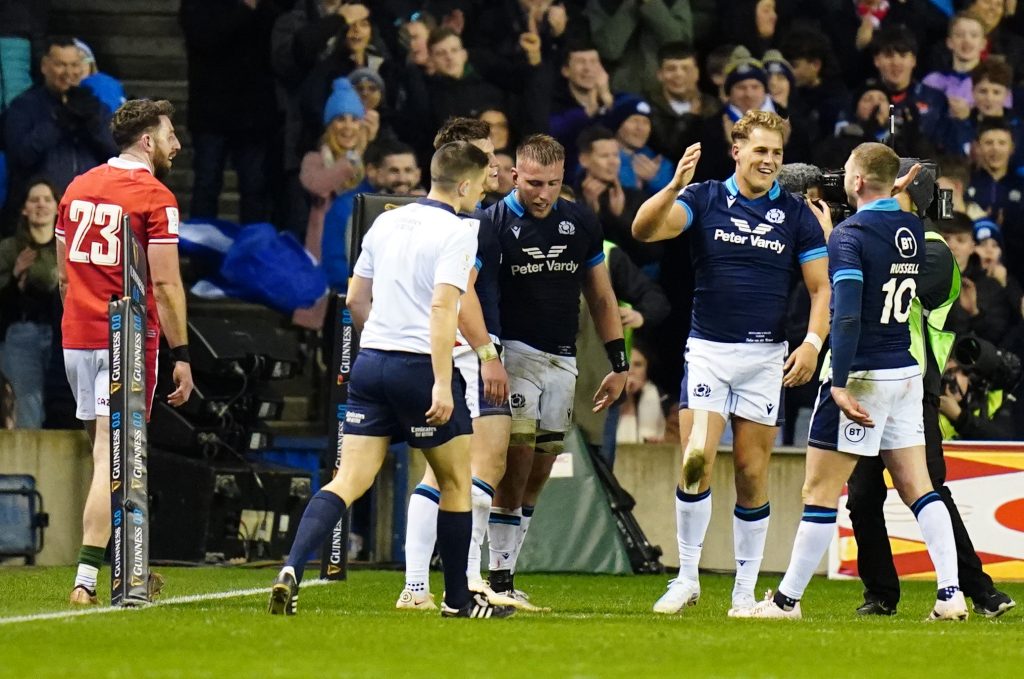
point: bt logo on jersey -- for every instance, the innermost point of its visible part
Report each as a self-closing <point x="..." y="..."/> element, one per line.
<point x="906" y="243"/>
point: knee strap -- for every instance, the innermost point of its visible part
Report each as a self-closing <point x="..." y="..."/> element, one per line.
<point x="551" y="443"/>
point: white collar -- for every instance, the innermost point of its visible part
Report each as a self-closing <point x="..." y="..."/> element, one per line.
<point x="123" y="164"/>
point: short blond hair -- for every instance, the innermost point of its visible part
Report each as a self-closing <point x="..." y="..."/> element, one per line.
<point x="542" y="149"/>
<point x="752" y="120"/>
<point x="878" y="164"/>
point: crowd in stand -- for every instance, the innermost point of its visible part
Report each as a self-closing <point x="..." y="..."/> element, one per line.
<point x="314" y="101"/>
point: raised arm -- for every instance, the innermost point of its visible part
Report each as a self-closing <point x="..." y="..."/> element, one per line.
<point x="661" y="216"/>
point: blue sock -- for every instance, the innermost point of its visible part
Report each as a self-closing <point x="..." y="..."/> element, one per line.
<point x="322" y="513"/>
<point x="454" y="530"/>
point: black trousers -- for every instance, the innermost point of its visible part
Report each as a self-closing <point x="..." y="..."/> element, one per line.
<point x="874" y="555"/>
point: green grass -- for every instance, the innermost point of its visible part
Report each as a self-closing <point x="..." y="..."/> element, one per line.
<point x="602" y="627"/>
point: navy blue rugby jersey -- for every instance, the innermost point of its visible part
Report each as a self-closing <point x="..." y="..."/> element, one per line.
<point x="745" y="254"/>
<point x="488" y="259"/>
<point x="543" y="266"/>
<point x="883" y="246"/>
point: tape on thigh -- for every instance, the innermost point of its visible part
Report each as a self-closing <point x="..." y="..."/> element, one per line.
<point x="550" y="442"/>
<point x="694" y="457"/>
<point x="524" y="433"/>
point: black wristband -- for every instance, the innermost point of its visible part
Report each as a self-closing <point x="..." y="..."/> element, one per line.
<point x="616" y="350"/>
<point x="180" y="354"/>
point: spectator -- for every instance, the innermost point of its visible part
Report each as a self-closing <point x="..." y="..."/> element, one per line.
<point x="55" y="129"/>
<point x="753" y="23"/>
<point x="1001" y="39"/>
<point x="641" y="414"/>
<point x="582" y="99"/>
<point x="821" y="97"/>
<point x="29" y="302"/>
<point x="921" y="111"/>
<point x="866" y="120"/>
<point x="678" y="107"/>
<point x="501" y="134"/>
<point x="991" y="84"/>
<point x="330" y="174"/>
<point x="986" y="307"/>
<point x="966" y="43"/>
<point x="231" y="112"/>
<point x="715" y="65"/>
<point x="640" y="167"/>
<point x="107" y="88"/>
<point x="379" y="119"/>
<point x="994" y="187"/>
<point x="629" y="33"/>
<point x="781" y="79"/>
<point x="614" y="205"/>
<point x="988" y="238"/>
<point x="391" y="168"/>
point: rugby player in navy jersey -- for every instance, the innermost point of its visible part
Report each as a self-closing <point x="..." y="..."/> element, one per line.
<point x="871" y="404"/>
<point x="749" y="238"/>
<point x="477" y="358"/>
<point x="551" y="251"/>
<point x="414" y="266"/>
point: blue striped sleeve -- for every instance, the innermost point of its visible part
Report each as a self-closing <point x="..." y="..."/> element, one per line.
<point x="848" y="275"/>
<point x="689" y="212"/>
<point x="478" y="264"/>
<point x="595" y="260"/>
<point x="811" y="255"/>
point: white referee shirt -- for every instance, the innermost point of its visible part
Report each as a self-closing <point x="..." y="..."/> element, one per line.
<point x="407" y="252"/>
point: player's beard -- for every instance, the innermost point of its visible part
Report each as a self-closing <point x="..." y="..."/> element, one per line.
<point x="161" y="165"/>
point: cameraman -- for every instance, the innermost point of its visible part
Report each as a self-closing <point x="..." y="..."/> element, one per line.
<point x="938" y="288"/>
<point x="975" y="405"/>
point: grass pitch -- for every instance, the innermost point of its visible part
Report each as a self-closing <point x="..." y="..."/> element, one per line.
<point x="601" y="627"/>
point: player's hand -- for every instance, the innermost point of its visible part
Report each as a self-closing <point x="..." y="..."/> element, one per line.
<point x="495" y="381"/>
<point x="609" y="391"/>
<point x="182" y="377"/>
<point x="799" y="367"/>
<point x="851" y="408"/>
<point x="823" y="215"/>
<point x="26" y="258"/>
<point x="442" y="405"/>
<point x="631" y="318"/>
<point x="686" y="167"/>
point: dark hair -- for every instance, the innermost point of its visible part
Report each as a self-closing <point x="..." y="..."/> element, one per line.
<point x="136" y="117"/>
<point x="994" y="70"/>
<point x="960" y="223"/>
<point x="439" y="34"/>
<point x="591" y="135"/>
<point x="675" y="50"/>
<point x="718" y="58"/>
<point x="574" y="46"/>
<point x="455" y="162"/>
<point x="380" y="149"/>
<point x="894" y="38"/>
<point x="460" y="128"/>
<point x="58" y="41"/>
<point x="993" y="125"/>
<point x="36" y="181"/>
<point x="956" y="168"/>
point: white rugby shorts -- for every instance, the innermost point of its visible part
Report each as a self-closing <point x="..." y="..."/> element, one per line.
<point x="543" y="386"/>
<point x="88" y="372"/>
<point x="738" y="379"/>
<point x="891" y="397"/>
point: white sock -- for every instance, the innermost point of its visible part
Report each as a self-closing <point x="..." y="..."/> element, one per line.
<point x="503" y="534"/>
<point x="482" y="495"/>
<point x="524" y="526"/>
<point x="937" y="529"/>
<point x="693" y="514"/>
<point x="420" y="536"/>
<point x="86" y="577"/>
<point x="749" y="531"/>
<point x="817" y="527"/>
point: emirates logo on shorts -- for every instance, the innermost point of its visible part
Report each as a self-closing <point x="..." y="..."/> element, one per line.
<point x="702" y="391"/>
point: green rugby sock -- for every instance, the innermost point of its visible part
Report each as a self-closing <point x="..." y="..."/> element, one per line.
<point x="91" y="556"/>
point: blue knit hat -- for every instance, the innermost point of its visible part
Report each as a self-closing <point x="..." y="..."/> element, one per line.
<point x="985" y="228"/>
<point x="625" y="106"/>
<point x="343" y="100"/>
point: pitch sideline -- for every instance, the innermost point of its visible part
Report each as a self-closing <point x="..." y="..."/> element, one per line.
<point x="187" y="599"/>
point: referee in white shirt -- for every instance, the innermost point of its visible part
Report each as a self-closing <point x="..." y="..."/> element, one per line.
<point x="414" y="266"/>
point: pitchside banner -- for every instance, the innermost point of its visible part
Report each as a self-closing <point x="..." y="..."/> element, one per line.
<point x="129" y="572"/>
<point x="987" y="483"/>
<point x="334" y="556"/>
